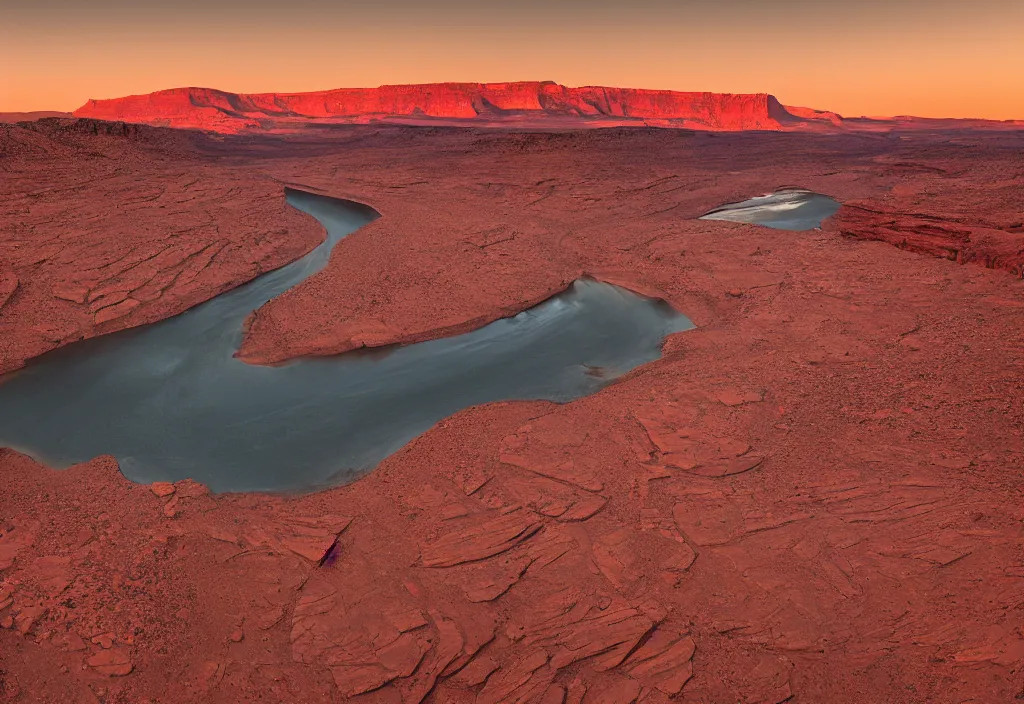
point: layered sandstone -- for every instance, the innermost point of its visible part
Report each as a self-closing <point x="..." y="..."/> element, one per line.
<point x="481" y="102"/>
<point x="524" y="105"/>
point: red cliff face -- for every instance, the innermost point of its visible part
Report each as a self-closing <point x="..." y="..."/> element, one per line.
<point x="480" y="102"/>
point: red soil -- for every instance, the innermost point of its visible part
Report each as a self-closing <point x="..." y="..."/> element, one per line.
<point x="813" y="496"/>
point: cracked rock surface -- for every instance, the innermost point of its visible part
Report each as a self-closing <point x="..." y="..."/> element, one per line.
<point x="814" y="496"/>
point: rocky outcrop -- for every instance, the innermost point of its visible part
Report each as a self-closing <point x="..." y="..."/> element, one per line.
<point x="485" y="102"/>
<point x="949" y="236"/>
<point x="526" y="104"/>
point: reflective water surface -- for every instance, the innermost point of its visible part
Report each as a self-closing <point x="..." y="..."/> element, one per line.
<point x="790" y="209"/>
<point x="170" y="401"/>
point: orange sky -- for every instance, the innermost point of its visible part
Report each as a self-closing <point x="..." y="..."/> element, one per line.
<point x="937" y="58"/>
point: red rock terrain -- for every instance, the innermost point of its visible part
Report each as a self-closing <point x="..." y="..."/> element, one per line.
<point x="482" y="103"/>
<point x="135" y="254"/>
<point x="523" y="105"/>
<point x="814" y="496"/>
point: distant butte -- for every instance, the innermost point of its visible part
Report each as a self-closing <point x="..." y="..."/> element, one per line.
<point x="525" y="104"/>
<point x="529" y="104"/>
<point x="9" y="117"/>
<point x="485" y="103"/>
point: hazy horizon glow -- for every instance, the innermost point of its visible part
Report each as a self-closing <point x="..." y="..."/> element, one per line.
<point x="933" y="58"/>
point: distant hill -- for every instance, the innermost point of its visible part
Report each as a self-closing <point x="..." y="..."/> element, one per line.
<point x="537" y="104"/>
<point x="527" y="103"/>
<point x="29" y="116"/>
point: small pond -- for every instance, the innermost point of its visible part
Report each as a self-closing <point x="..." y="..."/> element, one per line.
<point x="788" y="209"/>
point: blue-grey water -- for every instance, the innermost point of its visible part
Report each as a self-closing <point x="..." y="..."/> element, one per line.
<point x="790" y="209"/>
<point x="170" y="401"/>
